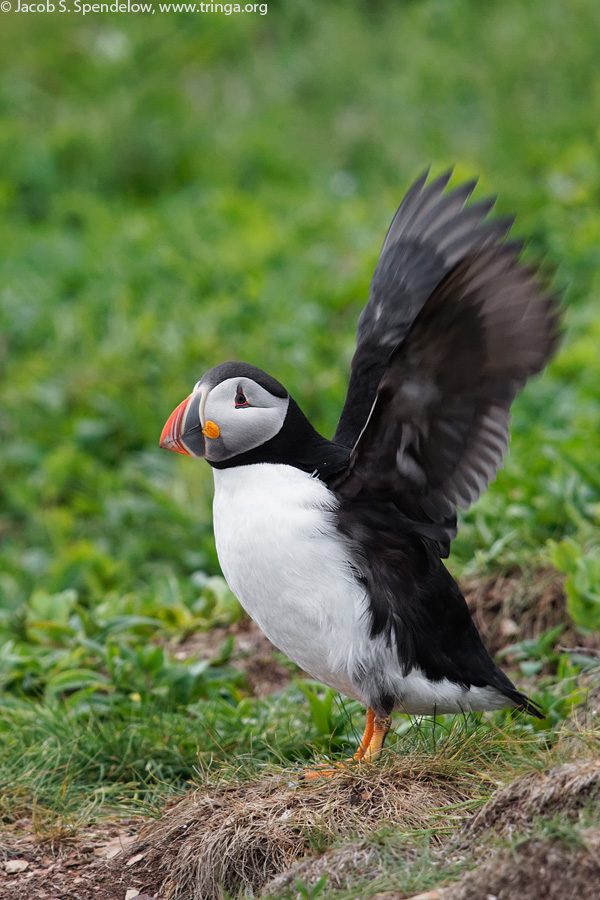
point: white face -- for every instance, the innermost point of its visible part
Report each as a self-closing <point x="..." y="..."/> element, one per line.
<point x="245" y="414"/>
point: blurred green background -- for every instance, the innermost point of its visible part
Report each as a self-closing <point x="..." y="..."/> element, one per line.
<point x="179" y="189"/>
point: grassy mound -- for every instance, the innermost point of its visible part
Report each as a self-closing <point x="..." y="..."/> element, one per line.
<point x="563" y="790"/>
<point x="226" y="838"/>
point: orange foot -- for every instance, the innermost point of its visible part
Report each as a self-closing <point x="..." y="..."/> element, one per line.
<point x="369" y="748"/>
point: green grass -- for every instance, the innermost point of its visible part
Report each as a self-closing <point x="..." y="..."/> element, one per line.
<point x="177" y="191"/>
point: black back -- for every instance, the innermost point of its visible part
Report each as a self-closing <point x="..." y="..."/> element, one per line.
<point x="413" y="598"/>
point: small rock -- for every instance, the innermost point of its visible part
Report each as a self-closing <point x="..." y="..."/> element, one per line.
<point x="12" y="866"/>
<point x="112" y="848"/>
<point x="508" y="627"/>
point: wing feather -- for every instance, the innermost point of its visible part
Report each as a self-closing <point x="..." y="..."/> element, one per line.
<point x="430" y="233"/>
<point x="438" y="429"/>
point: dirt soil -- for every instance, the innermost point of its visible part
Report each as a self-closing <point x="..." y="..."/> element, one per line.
<point x="72" y="869"/>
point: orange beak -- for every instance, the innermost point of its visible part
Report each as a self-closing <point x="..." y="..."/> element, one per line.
<point x="170" y="438"/>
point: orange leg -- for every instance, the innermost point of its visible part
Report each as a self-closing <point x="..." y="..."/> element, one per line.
<point x="367" y="736"/>
<point x="381" y="726"/>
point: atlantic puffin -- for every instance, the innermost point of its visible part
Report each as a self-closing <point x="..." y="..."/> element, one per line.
<point x="335" y="547"/>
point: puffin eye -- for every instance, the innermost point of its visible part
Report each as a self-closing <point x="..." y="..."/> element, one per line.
<point x="240" y="400"/>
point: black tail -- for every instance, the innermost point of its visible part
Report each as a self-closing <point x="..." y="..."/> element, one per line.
<point x="524" y="703"/>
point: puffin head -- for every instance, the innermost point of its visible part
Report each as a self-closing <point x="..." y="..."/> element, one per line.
<point x="233" y="409"/>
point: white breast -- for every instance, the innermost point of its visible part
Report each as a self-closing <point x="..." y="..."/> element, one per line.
<point x="287" y="565"/>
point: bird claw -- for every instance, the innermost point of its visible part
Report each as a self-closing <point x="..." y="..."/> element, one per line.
<point x="327" y="770"/>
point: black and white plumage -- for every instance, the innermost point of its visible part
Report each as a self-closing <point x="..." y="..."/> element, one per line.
<point x="334" y="547"/>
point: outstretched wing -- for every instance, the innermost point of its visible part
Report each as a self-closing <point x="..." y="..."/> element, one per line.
<point x="438" y="428"/>
<point x="430" y="233"/>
